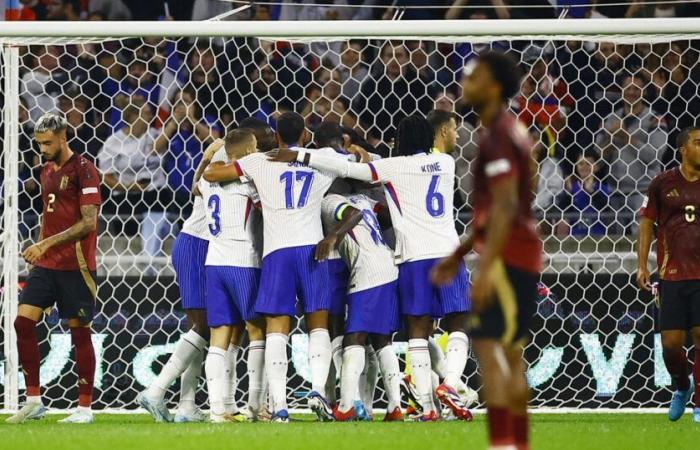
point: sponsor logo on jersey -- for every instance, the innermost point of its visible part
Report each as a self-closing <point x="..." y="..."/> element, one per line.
<point x="673" y="193"/>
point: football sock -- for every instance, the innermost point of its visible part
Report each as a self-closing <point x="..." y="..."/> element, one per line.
<point x="434" y="383"/>
<point x="367" y="394"/>
<point x="337" y="353"/>
<point x="85" y="360"/>
<point x="28" y="352"/>
<point x="420" y="368"/>
<point x="331" y="384"/>
<point x="256" y="370"/>
<point x="215" y="369"/>
<point x="391" y="373"/>
<point x="520" y="431"/>
<point x="353" y="365"/>
<point x="696" y="378"/>
<point x="189" y="382"/>
<point x="319" y="359"/>
<point x="437" y="358"/>
<point x="457" y="351"/>
<point x="677" y="366"/>
<point x="276" y="369"/>
<point x="500" y="427"/>
<point x="189" y="345"/>
<point x="231" y="379"/>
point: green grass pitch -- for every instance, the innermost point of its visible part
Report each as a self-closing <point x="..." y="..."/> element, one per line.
<point x="549" y="431"/>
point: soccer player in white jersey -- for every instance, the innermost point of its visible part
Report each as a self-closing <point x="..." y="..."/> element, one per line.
<point x="419" y="185"/>
<point x="233" y="274"/>
<point x="372" y="301"/>
<point x="291" y="196"/>
<point x="188" y="256"/>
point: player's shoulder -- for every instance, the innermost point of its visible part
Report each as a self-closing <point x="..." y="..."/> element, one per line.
<point x="671" y="175"/>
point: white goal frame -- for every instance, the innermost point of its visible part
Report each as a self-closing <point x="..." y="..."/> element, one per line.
<point x="13" y="34"/>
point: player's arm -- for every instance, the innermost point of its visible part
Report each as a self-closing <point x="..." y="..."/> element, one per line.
<point x="218" y="172"/>
<point x="339" y="166"/>
<point x="349" y="217"/>
<point x="644" y="238"/>
<point x="80" y="229"/>
<point x="206" y="159"/>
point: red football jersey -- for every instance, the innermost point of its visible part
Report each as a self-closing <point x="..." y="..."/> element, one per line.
<point x="673" y="203"/>
<point x="505" y="151"/>
<point x="63" y="192"/>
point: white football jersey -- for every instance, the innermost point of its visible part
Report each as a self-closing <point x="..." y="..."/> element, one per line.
<point x="363" y="248"/>
<point x="291" y="196"/>
<point x="232" y="223"/>
<point x="419" y="191"/>
<point x="197" y="223"/>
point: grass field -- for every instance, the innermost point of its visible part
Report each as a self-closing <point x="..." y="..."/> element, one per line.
<point x="550" y="431"/>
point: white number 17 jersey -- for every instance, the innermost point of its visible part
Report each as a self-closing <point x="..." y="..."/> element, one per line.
<point x="291" y="196"/>
<point x="419" y="190"/>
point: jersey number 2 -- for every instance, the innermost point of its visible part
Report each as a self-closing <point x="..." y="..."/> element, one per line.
<point x="52" y="200"/>
<point x="289" y="178"/>
<point x="435" y="201"/>
<point x="214" y="206"/>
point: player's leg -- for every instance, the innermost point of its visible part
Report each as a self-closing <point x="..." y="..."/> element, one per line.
<point x="215" y="368"/>
<point x="276" y="301"/>
<point x="336" y="323"/>
<point x="234" y="349"/>
<point x="353" y="365"/>
<point x="187" y="410"/>
<point x="694" y="288"/>
<point x="368" y="382"/>
<point x="391" y="374"/>
<point x="256" y="367"/>
<point x="519" y="395"/>
<point x="496" y="374"/>
<point x="674" y="319"/>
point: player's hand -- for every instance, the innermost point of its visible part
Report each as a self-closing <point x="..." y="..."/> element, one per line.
<point x="324" y="248"/>
<point x="361" y="153"/>
<point x="282" y="155"/>
<point x="644" y="279"/>
<point x="482" y="291"/>
<point x="445" y="270"/>
<point x="33" y="253"/>
<point x="212" y="149"/>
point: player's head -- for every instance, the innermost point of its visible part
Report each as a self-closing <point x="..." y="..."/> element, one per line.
<point x="240" y="142"/>
<point x="444" y="128"/>
<point x="494" y="77"/>
<point x="291" y="130"/>
<point x="329" y="134"/>
<point x="50" y="134"/>
<point x="413" y="135"/>
<point x="264" y="133"/>
<point x="688" y="143"/>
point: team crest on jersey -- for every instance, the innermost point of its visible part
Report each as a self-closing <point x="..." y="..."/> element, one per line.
<point x="64" y="182"/>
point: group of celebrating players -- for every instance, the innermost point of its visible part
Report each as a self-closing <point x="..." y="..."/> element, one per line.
<point x="363" y="247"/>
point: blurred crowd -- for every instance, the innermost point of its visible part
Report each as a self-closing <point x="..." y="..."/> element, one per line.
<point x="604" y="116"/>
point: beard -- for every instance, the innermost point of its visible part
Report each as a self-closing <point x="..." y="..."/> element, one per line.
<point x="49" y="158"/>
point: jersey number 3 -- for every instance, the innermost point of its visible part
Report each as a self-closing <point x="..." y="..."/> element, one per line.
<point x="435" y="201"/>
<point x="690" y="213"/>
<point x="289" y="179"/>
<point x="214" y="206"/>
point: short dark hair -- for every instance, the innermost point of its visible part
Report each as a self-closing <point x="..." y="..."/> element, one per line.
<point x="438" y="117"/>
<point x="238" y="136"/>
<point x="684" y="135"/>
<point x="413" y="135"/>
<point x="254" y="124"/>
<point x="290" y="127"/>
<point x="263" y="132"/>
<point x="505" y="71"/>
<point x="328" y="134"/>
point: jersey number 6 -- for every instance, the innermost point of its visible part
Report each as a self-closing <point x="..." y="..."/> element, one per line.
<point x="435" y="201"/>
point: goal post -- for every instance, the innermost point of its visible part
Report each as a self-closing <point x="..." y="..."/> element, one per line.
<point x="593" y="344"/>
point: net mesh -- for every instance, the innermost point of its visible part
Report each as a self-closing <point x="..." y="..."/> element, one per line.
<point x="604" y="116"/>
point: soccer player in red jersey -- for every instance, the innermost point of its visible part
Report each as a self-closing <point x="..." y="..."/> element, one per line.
<point x="63" y="263"/>
<point x="673" y="204"/>
<point x="504" y="288"/>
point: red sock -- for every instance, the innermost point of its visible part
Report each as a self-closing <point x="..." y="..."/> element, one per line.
<point x="520" y="431"/>
<point x="677" y="366"/>
<point x="85" y="360"/>
<point x="500" y="427"/>
<point x="696" y="378"/>
<point x="28" y="350"/>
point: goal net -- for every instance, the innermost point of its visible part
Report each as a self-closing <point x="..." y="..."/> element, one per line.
<point x="603" y="106"/>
